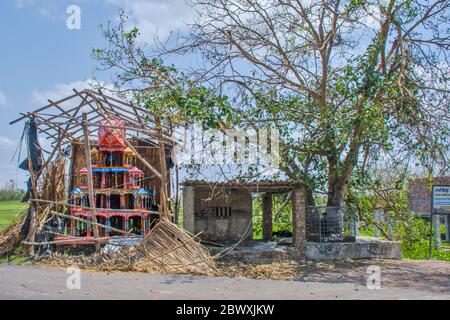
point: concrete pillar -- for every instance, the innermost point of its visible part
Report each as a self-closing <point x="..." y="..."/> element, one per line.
<point x="379" y="219"/>
<point x="267" y="216"/>
<point x="437" y="231"/>
<point x="188" y="209"/>
<point x="390" y="226"/>
<point x="299" y="221"/>
<point x="355" y="224"/>
<point x="447" y="228"/>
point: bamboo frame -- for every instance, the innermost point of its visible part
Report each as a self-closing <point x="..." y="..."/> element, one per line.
<point x="97" y="104"/>
<point x="74" y="119"/>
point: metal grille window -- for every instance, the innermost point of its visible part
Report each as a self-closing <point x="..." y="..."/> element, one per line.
<point x="329" y="224"/>
<point x="222" y="211"/>
<point x="216" y="211"/>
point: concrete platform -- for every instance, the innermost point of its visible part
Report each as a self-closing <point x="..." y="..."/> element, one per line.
<point x="363" y="248"/>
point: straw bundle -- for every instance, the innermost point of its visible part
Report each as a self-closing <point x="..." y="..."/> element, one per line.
<point x="53" y="189"/>
<point x="11" y="237"/>
<point x="166" y="249"/>
<point x="50" y="187"/>
<point x="170" y="248"/>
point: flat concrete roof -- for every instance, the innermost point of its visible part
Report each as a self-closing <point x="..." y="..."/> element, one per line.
<point x="270" y="186"/>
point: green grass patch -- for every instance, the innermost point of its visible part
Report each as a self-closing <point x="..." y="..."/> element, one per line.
<point x="9" y="212"/>
<point x="420" y="250"/>
<point x="17" y="257"/>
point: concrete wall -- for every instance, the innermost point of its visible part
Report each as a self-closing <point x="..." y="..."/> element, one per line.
<point x="222" y="217"/>
<point x="363" y="248"/>
<point x="299" y="222"/>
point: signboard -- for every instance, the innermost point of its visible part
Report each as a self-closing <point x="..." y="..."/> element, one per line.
<point x="440" y="199"/>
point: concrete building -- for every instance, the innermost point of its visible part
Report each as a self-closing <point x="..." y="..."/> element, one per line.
<point x="222" y="212"/>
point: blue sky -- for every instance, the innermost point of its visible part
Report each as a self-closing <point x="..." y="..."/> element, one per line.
<point x="40" y="58"/>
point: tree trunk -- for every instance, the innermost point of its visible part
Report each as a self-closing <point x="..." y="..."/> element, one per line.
<point x="335" y="196"/>
<point x="335" y="200"/>
<point x="335" y="183"/>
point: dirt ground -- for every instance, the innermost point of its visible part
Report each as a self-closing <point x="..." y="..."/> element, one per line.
<point x="424" y="275"/>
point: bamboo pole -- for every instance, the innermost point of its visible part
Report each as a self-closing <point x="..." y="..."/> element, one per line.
<point x="63" y="215"/>
<point x="103" y="209"/>
<point x="32" y="215"/>
<point x="66" y="241"/>
<point x="163" y="168"/>
<point x="87" y="151"/>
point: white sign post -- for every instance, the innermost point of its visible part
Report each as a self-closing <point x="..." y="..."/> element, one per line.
<point x="440" y="204"/>
<point x="440" y="201"/>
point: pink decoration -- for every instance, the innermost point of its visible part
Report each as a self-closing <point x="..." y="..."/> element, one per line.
<point x="111" y="139"/>
<point x="136" y="172"/>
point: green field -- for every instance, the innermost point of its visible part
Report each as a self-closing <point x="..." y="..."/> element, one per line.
<point x="9" y="212"/>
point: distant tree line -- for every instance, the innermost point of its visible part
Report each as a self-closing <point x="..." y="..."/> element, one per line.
<point x="11" y="195"/>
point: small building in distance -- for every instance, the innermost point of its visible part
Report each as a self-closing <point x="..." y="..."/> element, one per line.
<point x="419" y="200"/>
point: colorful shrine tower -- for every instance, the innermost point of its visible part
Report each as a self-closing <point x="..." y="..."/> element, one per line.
<point x="120" y="199"/>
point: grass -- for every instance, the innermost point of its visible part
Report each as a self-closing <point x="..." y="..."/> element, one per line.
<point x="16" y="258"/>
<point x="9" y="212"/>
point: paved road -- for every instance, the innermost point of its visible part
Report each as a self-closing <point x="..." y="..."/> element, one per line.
<point x="35" y="282"/>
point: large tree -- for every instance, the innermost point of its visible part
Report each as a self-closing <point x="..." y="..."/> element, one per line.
<point x="344" y="81"/>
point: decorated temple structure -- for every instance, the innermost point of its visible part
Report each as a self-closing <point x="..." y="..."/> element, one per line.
<point x="121" y="199"/>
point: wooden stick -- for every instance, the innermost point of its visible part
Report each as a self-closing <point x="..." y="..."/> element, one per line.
<point x="102" y="209"/>
<point x="33" y="192"/>
<point x="58" y="144"/>
<point x="96" y="240"/>
<point x="87" y="151"/>
<point x="43" y="108"/>
<point x="163" y="167"/>
<point x="91" y="222"/>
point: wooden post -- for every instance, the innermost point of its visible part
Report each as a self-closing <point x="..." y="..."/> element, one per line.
<point x="299" y="222"/>
<point x="87" y="150"/>
<point x="32" y="228"/>
<point x="163" y="168"/>
<point x="267" y="216"/>
<point x="32" y="222"/>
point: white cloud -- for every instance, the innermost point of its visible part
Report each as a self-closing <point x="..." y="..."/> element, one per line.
<point x="8" y="167"/>
<point x="6" y="143"/>
<point x="3" y="99"/>
<point x="153" y="16"/>
<point x="46" y="8"/>
<point x="62" y="90"/>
